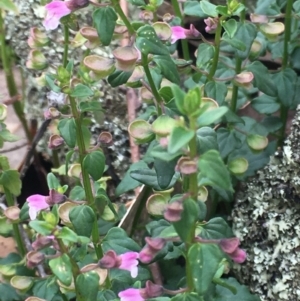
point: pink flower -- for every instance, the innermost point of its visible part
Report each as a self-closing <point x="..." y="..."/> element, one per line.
<point x="130" y="263"/>
<point x="231" y="247"/>
<point x="131" y="294"/>
<point x="150" y="250"/>
<point x="151" y="290"/>
<point x="36" y="203"/>
<point x="127" y="261"/>
<point x="39" y="202"/>
<point x="179" y="32"/>
<point x="55" y="11"/>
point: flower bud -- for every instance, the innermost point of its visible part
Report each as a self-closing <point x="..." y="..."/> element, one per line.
<point x="55" y="141"/>
<point x="36" y="60"/>
<point x="211" y="24"/>
<point x="42" y="242"/>
<point x="76" y="4"/>
<point x="150" y="250"/>
<point x="230" y="247"/>
<point x="151" y="290"/>
<point x="173" y="211"/>
<point x="34" y="258"/>
<point x="109" y="260"/>
<point x="55" y="197"/>
<point x="37" y="38"/>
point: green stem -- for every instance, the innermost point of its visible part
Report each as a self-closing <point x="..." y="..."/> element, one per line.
<point x="238" y="68"/>
<point x="117" y="7"/>
<point x="16" y="230"/>
<point x="75" y="268"/>
<point x="66" y="45"/>
<point x="10" y="80"/>
<point x="154" y="91"/>
<point x="217" y="51"/>
<point x="85" y="175"/>
<point x="184" y="43"/>
<point x="285" y="60"/>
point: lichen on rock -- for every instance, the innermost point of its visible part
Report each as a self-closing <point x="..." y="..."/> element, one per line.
<point x="266" y="218"/>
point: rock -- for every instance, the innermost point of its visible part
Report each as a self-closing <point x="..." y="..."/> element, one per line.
<point x="266" y="218"/>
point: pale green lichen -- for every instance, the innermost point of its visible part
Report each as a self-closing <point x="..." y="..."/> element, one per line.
<point x="266" y="218"/>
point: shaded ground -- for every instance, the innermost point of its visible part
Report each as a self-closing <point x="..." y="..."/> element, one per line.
<point x="15" y="157"/>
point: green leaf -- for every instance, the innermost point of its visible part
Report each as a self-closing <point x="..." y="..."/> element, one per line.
<point x="189" y="216"/>
<point x="41" y="227"/>
<point x="230" y="27"/>
<point x="137" y="2"/>
<point x="168" y="67"/>
<point x="216" y="228"/>
<point x="52" y="181"/>
<point x="204" y="260"/>
<point x="128" y="183"/>
<point x="272" y="123"/>
<point x="81" y="91"/>
<point x="223" y="10"/>
<point x="193" y="8"/>
<point x="265" y="104"/>
<point x="205" y="54"/>
<point x="246" y="33"/>
<point x="228" y="141"/>
<point x="6" y="135"/>
<point x="187" y="297"/>
<point x="82" y="219"/>
<point x="94" y="163"/>
<point x="118" y="78"/>
<point x="149" y="177"/>
<point x="117" y="239"/>
<point x="10" y="179"/>
<point x="4" y="163"/>
<point x="105" y="21"/>
<point x="179" y="96"/>
<point x="285" y="80"/>
<point x="87" y="285"/>
<point x="61" y="267"/>
<point x="7" y="292"/>
<point x="77" y="194"/>
<point x="50" y="82"/>
<point x="164" y="171"/>
<point x="206" y="139"/>
<point x="67" y="129"/>
<point x="234" y="42"/>
<point x="148" y="42"/>
<point x="179" y="138"/>
<point x="243" y="293"/>
<point x="211" y="116"/>
<point x="262" y="78"/>
<point x="216" y="91"/>
<point x="213" y="168"/>
<point x="9" y="5"/>
<point x="209" y="8"/>
<point x="45" y="288"/>
<point x="67" y="234"/>
<point x="70" y="66"/>
<point x="68" y="158"/>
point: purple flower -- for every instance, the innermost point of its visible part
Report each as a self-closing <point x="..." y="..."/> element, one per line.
<point x="151" y="290"/>
<point x="131" y="294"/>
<point x="36" y="203"/>
<point x="179" y="32"/>
<point x="127" y="261"/>
<point x="153" y="246"/>
<point x="39" y="202"/>
<point x="55" y="11"/>
<point x="211" y="24"/>
<point x="230" y="246"/>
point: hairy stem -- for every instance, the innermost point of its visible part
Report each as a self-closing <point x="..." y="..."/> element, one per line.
<point x="16" y="230"/>
<point x="10" y="80"/>
<point x="66" y="46"/>
<point x="217" y="51"/>
<point x="85" y="175"/>
<point x="238" y="68"/>
<point x="154" y="91"/>
<point x="184" y="43"/>
<point x="285" y="60"/>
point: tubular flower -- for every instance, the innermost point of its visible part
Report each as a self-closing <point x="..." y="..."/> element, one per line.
<point x="127" y="261"/>
<point x="150" y="250"/>
<point x="55" y="11"/>
<point x="179" y="32"/>
<point x="230" y="246"/>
